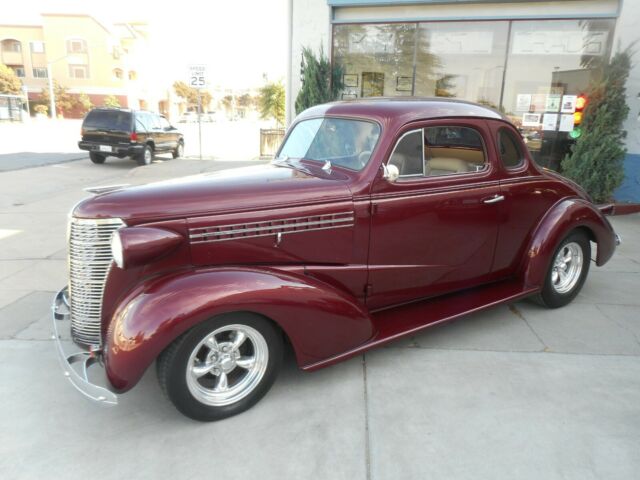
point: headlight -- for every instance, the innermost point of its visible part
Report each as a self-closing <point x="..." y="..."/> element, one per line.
<point x="117" y="251"/>
<point x="136" y="246"/>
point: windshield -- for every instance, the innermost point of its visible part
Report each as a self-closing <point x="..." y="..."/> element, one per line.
<point x="344" y="142"/>
<point x="108" y="120"/>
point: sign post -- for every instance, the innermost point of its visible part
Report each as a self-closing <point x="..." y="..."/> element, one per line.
<point x="198" y="80"/>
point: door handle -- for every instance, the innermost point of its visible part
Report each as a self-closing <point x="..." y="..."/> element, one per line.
<point x="495" y="199"/>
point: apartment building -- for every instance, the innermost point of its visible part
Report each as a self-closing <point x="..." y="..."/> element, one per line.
<point x="84" y="55"/>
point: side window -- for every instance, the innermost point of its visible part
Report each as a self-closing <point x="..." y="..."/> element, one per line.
<point x="408" y="156"/>
<point x="450" y="150"/>
<point x="143" y="122"/>
<point x="510" y="153"/>
<point x="164" y="123"/>
<point x="154" y="120"/>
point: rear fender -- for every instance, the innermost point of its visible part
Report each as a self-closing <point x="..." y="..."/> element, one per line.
<point x="559" y="221"/>
<point x="319" y="320"/>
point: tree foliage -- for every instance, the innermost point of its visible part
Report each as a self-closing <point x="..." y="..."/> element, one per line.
<point x="85" y="102"/>
<point x="190" y="95"/>
<point x="320" y="82"/>
<point x="271" y="102"/>
<point x="111" y="101"/>
<point x="9" y="82"/>
<point x="65" y="102"/>
<point x="595" y="161"/>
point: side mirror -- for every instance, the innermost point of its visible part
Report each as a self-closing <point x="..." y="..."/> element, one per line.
<point x="390" y="173"/>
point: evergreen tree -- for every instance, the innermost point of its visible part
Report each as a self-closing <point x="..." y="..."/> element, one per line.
<point x="272" y="102"/>
<point x="320" y="83"/>
<point x="595" y="161"/>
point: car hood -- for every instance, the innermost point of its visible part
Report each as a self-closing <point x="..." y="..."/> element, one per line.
<point x="242" y="189"/>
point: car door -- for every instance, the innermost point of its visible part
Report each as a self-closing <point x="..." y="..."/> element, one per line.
<point x="158" y="133"/>
<point x="170" y="133"/>
<point x="434" y="229"/>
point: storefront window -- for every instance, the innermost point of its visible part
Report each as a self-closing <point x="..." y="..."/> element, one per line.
<point x="461" y="60"/>
<point x="533" y="71"/>
<point x="550" y="63"/>
<point x="377" y="60"/>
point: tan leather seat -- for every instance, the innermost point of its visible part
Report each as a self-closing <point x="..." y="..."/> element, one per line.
<point x="445" y="166"/>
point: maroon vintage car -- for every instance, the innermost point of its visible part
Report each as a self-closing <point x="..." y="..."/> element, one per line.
<point x="377" y="219"/>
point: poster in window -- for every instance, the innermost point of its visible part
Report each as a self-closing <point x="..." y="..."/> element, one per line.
<point x="404" y="84"/>
<point x="568" y="103"/>
<point x="538" y="102"/>
<point x="531" y="120"/>
<point x="553" y="103"/>
<point x="549" y="121"/>
<point x="372" y="84"/>
<point x="350" y="79"/>
<point x="566" y="123"/>
<point x="523" y="102"/>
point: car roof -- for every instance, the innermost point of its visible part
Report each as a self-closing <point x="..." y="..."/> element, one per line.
<point x="403" y="110"/>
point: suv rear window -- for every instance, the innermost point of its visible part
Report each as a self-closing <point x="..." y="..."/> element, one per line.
<point x="108" y="120"/>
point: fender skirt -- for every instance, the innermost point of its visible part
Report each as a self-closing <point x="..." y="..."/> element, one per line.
<point x="562" y="218"/>
<point x="319" y="320"/>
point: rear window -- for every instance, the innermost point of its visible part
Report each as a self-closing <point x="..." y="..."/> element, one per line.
<point x="108" y="120"/>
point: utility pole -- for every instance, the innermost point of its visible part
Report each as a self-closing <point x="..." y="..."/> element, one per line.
<point x="52" y="100"/>
<point x="200" y="123"/>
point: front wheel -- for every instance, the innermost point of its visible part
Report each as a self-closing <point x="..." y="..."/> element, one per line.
<point x="179" y="151"/>
<point x="221" y="367"/>
<point x="567" y="272"/>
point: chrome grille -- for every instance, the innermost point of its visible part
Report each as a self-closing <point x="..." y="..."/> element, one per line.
<point x="89" y="263"/>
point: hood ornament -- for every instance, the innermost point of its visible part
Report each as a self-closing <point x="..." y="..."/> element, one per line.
<point x="105" y="188"/>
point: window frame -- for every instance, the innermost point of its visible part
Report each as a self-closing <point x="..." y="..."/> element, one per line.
<point x="78" y="65"/>
<point x="71" y="41"/>
<point x="414" y="178"/>
<point x="37" y="42"/>
<point x="522" y="165"/>
<point x="41" y="69"/>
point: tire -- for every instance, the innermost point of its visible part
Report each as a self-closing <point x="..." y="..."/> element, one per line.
<point x="97" y="158"/>
<point x="146" y="157"/>
<point x="561" y="288"/>
<point x="204" y="382"/>
<point x="179" y="151"/>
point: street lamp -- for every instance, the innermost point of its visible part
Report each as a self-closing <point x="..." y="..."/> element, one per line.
<point x="52" y="100"/>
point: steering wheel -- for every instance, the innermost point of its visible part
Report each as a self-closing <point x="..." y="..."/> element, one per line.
<point x="363" y="158"/>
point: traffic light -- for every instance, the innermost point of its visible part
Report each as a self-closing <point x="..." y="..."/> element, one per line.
<point x="581" y="103"/>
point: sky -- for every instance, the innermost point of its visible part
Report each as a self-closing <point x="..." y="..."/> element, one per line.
<point x="239" y="40"/>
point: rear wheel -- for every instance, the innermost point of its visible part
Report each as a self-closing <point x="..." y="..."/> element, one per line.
<point x="221" y="367"/>
<point x="97" y="157"/>
<point x="146" y="157"/>
<point x="567" y="272"/>
<point x="179" y="151"/>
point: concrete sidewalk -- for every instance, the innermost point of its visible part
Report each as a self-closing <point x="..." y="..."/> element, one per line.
<point x="515" y="392"/>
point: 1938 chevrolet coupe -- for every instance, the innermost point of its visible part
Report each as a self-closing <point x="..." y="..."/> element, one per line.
<point x="376" y="219"/>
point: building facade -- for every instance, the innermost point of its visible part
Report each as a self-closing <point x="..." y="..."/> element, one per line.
<point x="533" y="60"/>
<point x="83" y="55"/>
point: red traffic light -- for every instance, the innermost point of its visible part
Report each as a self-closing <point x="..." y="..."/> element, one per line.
<point x="581" y="102"/>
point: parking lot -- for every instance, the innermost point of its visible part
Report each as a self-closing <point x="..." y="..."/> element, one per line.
<point x="516" y="391"/>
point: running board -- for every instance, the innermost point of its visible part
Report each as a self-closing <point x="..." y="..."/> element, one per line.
<point x="398" y="322"/>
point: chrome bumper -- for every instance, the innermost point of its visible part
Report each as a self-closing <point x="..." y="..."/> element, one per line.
<point x="76" y="365"/>
<point x="618" y="239"/>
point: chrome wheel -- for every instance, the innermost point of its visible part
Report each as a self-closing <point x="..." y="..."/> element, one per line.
<point x="567" y="267"/>
<point x="227" y="365"/>
<point x="148" y="156"/>
<point x="180" y="151"/>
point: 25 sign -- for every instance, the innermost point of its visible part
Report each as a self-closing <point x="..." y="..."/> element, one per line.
<point x="198" y="76"/>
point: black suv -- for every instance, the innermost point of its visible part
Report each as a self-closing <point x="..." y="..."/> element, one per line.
<point x="119" y="132"/>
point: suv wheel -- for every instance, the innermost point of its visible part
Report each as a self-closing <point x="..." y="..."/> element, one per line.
<point x="97" y="157"/>
<point x="221" y="367"/>
<point x="146" y="157"/>
<point x="179" y="151"/>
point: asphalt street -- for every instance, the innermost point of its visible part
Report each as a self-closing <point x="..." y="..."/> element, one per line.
<point x="514" y="392"/>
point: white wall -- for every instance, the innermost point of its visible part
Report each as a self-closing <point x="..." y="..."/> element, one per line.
<point x="626" y="33"/>
<point x="311" y="28"/>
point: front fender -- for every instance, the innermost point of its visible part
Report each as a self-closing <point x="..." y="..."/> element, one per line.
<point x="319" y="320"/>
<point x="562" y="218"/>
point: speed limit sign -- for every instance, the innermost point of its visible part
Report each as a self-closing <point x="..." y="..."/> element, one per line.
<point x="198" y="76"/>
